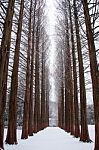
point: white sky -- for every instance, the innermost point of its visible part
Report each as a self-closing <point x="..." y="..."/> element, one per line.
<point x="51" y="31"/>
<point x="51" y="15"/>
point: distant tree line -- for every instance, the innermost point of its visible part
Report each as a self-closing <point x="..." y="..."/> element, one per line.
<point x="53" y="117"/>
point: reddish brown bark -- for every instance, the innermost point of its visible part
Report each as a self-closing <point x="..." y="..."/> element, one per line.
<point x="4" y="58"/>
<point x="76" y="131"/>
<point x="94" y="70"/>
<point x="69" y="104"/>
<point x="4" y="96"/>
<point x="47" y="110"/>
<point x="5" y="43"/>
<point x="84" y="127"/>
<point x="68" y="83"/>
<point x="61" y="107"/>
<point x="31" y="125"/>
<point x="43" y="102"/>
<point x="27" y="91"/>
<point x="47" y="97"/>
<point x="59" y="113"/>
<point x="37" y="83"/>
<point x="11" y="133"/>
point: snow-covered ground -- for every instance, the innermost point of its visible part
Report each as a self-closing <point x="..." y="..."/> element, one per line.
<point x="52" y="138"/>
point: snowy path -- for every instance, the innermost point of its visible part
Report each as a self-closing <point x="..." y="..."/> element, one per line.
<point x="51" y="139"/>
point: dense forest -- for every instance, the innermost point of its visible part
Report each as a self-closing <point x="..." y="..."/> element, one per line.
<point x="25" y="75"/>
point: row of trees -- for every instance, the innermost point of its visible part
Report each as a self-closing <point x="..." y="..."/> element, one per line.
<point x="76" y="45"/>
<point x="23" y="67"/>
<point x="24" y="73"/>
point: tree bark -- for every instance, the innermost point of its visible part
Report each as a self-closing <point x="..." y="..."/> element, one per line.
<point x="61" y="107"/>
<point x="4" y="59"/>
<point x="4" y="96"/>
<point x="94" y="70"/>
<point x="76" y="131"/>
<point x="43" y="102"/>
<point x="84" y="127"/>
<point x="69" y="105"/>
<point x="47" y="97"/>
<point x="37" y="83"/>
<point x="30" y="129"/>
<point x="11" y="133"/>
<point x="27" y="91"/>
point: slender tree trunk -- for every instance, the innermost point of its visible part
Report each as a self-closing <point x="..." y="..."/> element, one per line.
<point x="94" y="70"/>
<point x="4" y="58"/>
<point x="47" y="97"/>
<point x="61" y="107"/>
<point x="43" y="103"/>
<point x="5" y="44"/>
<point x="30" y="129"/>
<point x="84" y="127"/>
<point x="37" y="84"/>
<point x="67" y="95"/>
<point x="27" y="91"/>
<point x="69" y="104"/>
<point x="47" y="109"/>
<point x="4" y="95"/>
<point x="59" y="113"/>
<point x="11" y="133"/>
<point x="76" y="131"/>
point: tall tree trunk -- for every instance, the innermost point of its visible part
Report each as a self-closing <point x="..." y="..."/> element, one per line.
<point x="4" y="99"/>
<point x="61" y="96"/>
<point x="94" y="70"/>
<point x="43" y="103"/>
<point x="47" y="98"/>
<point x="11" y="133"/>
<point x="4" y="89"/>
<point x="27" y="91"/>
<point x="69" y="105"/>
<point x="37" y="84"/>
<point x="47" y="109"/>
<point x="30" y="129"/>
<point x="62" y="105"/>
<point x="59" y="112"/>
<point x="5" y="43"/>
<point x="74" y="128"/>
<point x="84" y="127"/>
<point x="4" y="58"/>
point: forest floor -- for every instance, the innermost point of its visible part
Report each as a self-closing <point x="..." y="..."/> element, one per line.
<point x="52" y="138"/>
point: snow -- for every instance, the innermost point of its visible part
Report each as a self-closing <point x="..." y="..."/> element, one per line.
<point x="52" y="138"/>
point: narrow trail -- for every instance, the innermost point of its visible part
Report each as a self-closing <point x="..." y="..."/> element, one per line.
<point x="51" y="138"/>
